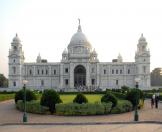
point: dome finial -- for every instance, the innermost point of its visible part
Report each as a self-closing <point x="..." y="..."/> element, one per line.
<point x="79" y="20"/>
<point x="142" y="35"/>
<point x="79" y="27"/>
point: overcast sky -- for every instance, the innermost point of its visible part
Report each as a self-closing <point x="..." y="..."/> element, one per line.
<point x="111" y="26"/>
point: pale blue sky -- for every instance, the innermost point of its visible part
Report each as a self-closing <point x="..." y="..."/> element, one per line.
<point x="112" y="27"/>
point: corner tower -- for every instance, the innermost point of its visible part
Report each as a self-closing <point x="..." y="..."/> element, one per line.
<point x="16" y="61"/>
<point x="142" y="59"/>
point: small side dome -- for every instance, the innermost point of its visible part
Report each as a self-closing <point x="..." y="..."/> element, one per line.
<point x="16" y="39"/>
<point x="142" y="38"/>
<point x="65" y="51"/>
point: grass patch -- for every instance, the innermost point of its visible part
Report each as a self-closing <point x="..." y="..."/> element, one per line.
<point x="4" y="97"/>
<point x="92" y="98"/>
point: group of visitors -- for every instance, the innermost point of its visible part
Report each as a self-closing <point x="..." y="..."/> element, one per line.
<point x="155" y="100"/>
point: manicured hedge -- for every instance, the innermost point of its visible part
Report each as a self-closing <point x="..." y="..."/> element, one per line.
<point x="122" y="106"/>
<point x="83" y="109"/>
<point x="32" y="107"/>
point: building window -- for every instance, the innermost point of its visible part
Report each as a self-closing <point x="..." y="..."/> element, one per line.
<point x="15" y="48"/>
<point x="66" y="70"/>
<point x="93" y="81"/>
<point x="38" y="72"/>
<point x="104" y="71"/>
<point x="14" y="84"/>
<point x="42" y="82"/>
<point x="92" y="70"/>
<point x="144" y="69"/>
<point x="117" y="82"/>
<point x="120" y="71"/>
<point x="66" y="81"/>
<point x="14" y="70"/>
<point x="112" y="71"/>
<point x="116" y="71"/>
<point x="42" y="72"/>
<point x="30" y="72"/>
<point x="54" y="72"/>
<point x="128" y="71"/>
<point x="46" y="72"/>
<point x="14" y="60"/>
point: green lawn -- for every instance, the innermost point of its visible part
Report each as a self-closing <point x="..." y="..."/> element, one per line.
<point x="4" y="97"/>
<point x="92" y="98"/>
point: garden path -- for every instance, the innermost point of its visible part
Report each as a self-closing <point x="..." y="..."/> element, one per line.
<point x="9" y="114"/>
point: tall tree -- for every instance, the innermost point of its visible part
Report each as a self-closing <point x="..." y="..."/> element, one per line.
<point x="3" y="81"/>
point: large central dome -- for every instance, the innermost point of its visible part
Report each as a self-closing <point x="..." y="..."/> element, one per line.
<point x="79" y="39"/>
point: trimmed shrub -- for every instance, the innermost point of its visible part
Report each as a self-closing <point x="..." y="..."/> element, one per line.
<point x="80" y="98"/>
<point x="134" y="96"/>
<point x="109" y="97"/>
<point x="119" y="95"/>
<point x="83" y="109"/>
<point x="49" y="98"/>
<point x="32" y="107"/>
<point x="29" y="95"/>
<point x="125" y="89"/>
<point x="122" y="106"/>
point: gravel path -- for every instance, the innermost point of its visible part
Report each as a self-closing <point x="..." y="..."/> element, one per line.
<point x="9" y="114"/>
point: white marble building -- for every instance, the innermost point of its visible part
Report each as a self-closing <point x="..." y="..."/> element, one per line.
<point x="79" y="68"/>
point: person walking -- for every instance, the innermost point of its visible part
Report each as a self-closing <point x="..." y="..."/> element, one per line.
<point x="156" y="101"/>
<point x="152" y="102"/>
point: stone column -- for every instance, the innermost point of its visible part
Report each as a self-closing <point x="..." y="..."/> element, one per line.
<point x="61" y="76"/>
<point x="71" y="76"/>
<point x="87" y="76"/>
<point x="125" y="74"/>
<point x="98" y="75"/>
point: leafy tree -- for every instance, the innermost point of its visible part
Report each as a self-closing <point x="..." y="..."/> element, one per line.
<point x="3" y="81"/>
<point x="50" y="98"/>
<point x="80" y="98"/>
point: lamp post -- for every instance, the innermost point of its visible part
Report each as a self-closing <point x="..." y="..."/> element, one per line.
<point x="24" y="88"/>
<point x="136" y="107"/>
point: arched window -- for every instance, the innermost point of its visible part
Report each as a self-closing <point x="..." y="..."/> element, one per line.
<point x="116" y="71"/>
<point x="38" y="71"/>
<point x="128" y="71"/>
<point x="42" y="71"/>
<point x="112" y="71"/>
<point x="120" y="71"/>
<point x="30" y="72"/>
<point x="46" y="72"/>
<point x="104" y="71"/>
<point x="42" y="82"/>
<point x="117" y="82"/>
<point x="144" y="69"/>
<point x="54" y="72"/>
<point x="14" y="70"/>
<point x="14" y="84"/>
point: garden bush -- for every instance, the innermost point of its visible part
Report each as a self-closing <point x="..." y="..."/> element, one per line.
<point x="122" y="106"/>
<point x="49" y="98"/>
<point x="29" y="95"/>
<point x="32" y="107"/>
<point x="134" y="95"/>
<point x="80" y="98"/>
<point x="83" y="109"/>
<point x="119" y="95"/>
<point x="109" y="97"/>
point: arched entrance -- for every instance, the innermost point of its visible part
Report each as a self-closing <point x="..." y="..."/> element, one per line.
<point x="79" y="76"/>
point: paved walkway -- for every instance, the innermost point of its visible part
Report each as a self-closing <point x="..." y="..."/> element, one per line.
<point x="9" y="114"/>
